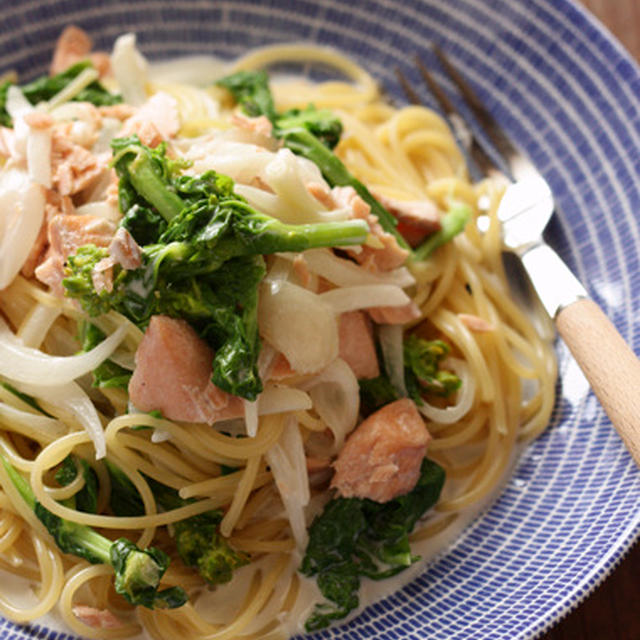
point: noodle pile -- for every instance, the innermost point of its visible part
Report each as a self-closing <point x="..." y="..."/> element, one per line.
<point x="504" y="360"/>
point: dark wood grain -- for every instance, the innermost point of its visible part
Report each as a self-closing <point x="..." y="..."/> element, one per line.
<point x="612" y="612"/>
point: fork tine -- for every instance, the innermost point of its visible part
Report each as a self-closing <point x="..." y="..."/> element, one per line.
<point x="434" y="87"/>
<point x="414" y="98"/>
<point x="481" y="163"/>
<point x="494" y="132"/>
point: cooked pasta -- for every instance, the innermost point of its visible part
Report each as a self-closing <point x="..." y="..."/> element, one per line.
<point x="260" y="462"/>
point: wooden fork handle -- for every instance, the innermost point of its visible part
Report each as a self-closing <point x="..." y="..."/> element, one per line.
<point x="611" y="367"/>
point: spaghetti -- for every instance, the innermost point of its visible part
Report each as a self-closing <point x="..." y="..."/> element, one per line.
<point x="260" y="481"/>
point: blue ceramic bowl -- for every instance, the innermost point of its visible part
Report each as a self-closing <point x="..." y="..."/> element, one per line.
<point x="568" y="93"/>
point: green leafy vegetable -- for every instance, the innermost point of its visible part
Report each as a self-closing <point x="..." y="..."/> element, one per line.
<point x="422" y="374"/>
<point x="108" y="374"/>
<point x="45" y="87"/>
<point x="197" y="539"/>
<point x="375" y="393"/>
<point x="137" y="572"/>
<point x="322" y="123"/>
<point x="354" y="538"/>
<point x="310" y="133"/>
<point x="422" y="359"/>
<point x="205" y="263"/>
<point x="87" y="498"/>
<point x="251" y="90"/>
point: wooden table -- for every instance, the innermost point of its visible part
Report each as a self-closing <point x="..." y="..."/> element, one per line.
<point x="612" y="612"/>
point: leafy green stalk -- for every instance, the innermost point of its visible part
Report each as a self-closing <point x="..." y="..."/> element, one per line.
<point x="452" y="223"/>
<point x="354" y="538"/>
<point x="87" y="498"/>
<point x="147" y="172"/>
<point x="108" y="374"/>
<point x="197" y="539"/>
<point x="137" y="572"/>
<point x="310" y="133"/>
<point x="45" y="87"/>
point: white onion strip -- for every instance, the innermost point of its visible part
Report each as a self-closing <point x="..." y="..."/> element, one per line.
<point x="37" y="324"/>
<point x="251" y="417"/>
<point x="276" y="399"/>
<point x="464" y="396"/>
<point x="336" y="398"/>
<point x="287" y="462"/>
<point x="346" y="273"/>
<point x="364" y="297"/>
<point x="39" y="156"/>
<point x="32" y="425"/>
<point x="72" y="400"/>
<point x="28" y="365"/>
<point x="392" y="345"/>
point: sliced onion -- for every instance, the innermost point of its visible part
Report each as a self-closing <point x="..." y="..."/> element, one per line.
<point x="37" y="324"/>
<point x="300" y="324"/>
<point x="283" y="176"/>
<point x="37" y="427"/>
<point x="160" y="435"/>
<point x="124" y="358"/>
<point x="130" y="69"/>
<point x="71" y="399"/>
<point x="364" y="297"/>
<point x="287" y="462"/>
<point x="392" y="345"/>
<point x="336" y="398"/>
<point x="101" y="209"/>
<point x="193" y="70"/>
<point x="346" y="273"/>
<point x="265" y="359"/>
<point x="21" y="215"/>
<point x="464" y="396"/>
<point x="17" y="107"/>
<point x="239" y="160"/>
<point x="260" y="199"/>
<point x="71" y="90"/>
<point x="28" y="365"/>
<point x="251" y="417"/>
<point x="39" y="156"/>
<point x="275" y="399"/>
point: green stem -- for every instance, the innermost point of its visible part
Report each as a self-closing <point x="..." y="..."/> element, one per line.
<point x="96" y="544"/>
<point x="23" y="487"/>
<point x="149" y="185"/>
<point x="452" y="223"/>
<point x="304" y="143"/>
<point x="278" y="236"/>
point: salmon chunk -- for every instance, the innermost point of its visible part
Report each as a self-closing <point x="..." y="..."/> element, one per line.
<point x="173" y="376"/>
<point x="416" y="219"/>
<point x="357" y="347"/>
<point x="382" y="457"/>
<point x="74" y="45"/>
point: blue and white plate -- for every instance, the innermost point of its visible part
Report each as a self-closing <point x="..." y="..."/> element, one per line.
<point x="568" y="92"/>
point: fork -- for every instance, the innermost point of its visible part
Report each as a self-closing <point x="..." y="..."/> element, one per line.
<point x="609" y="364"/>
